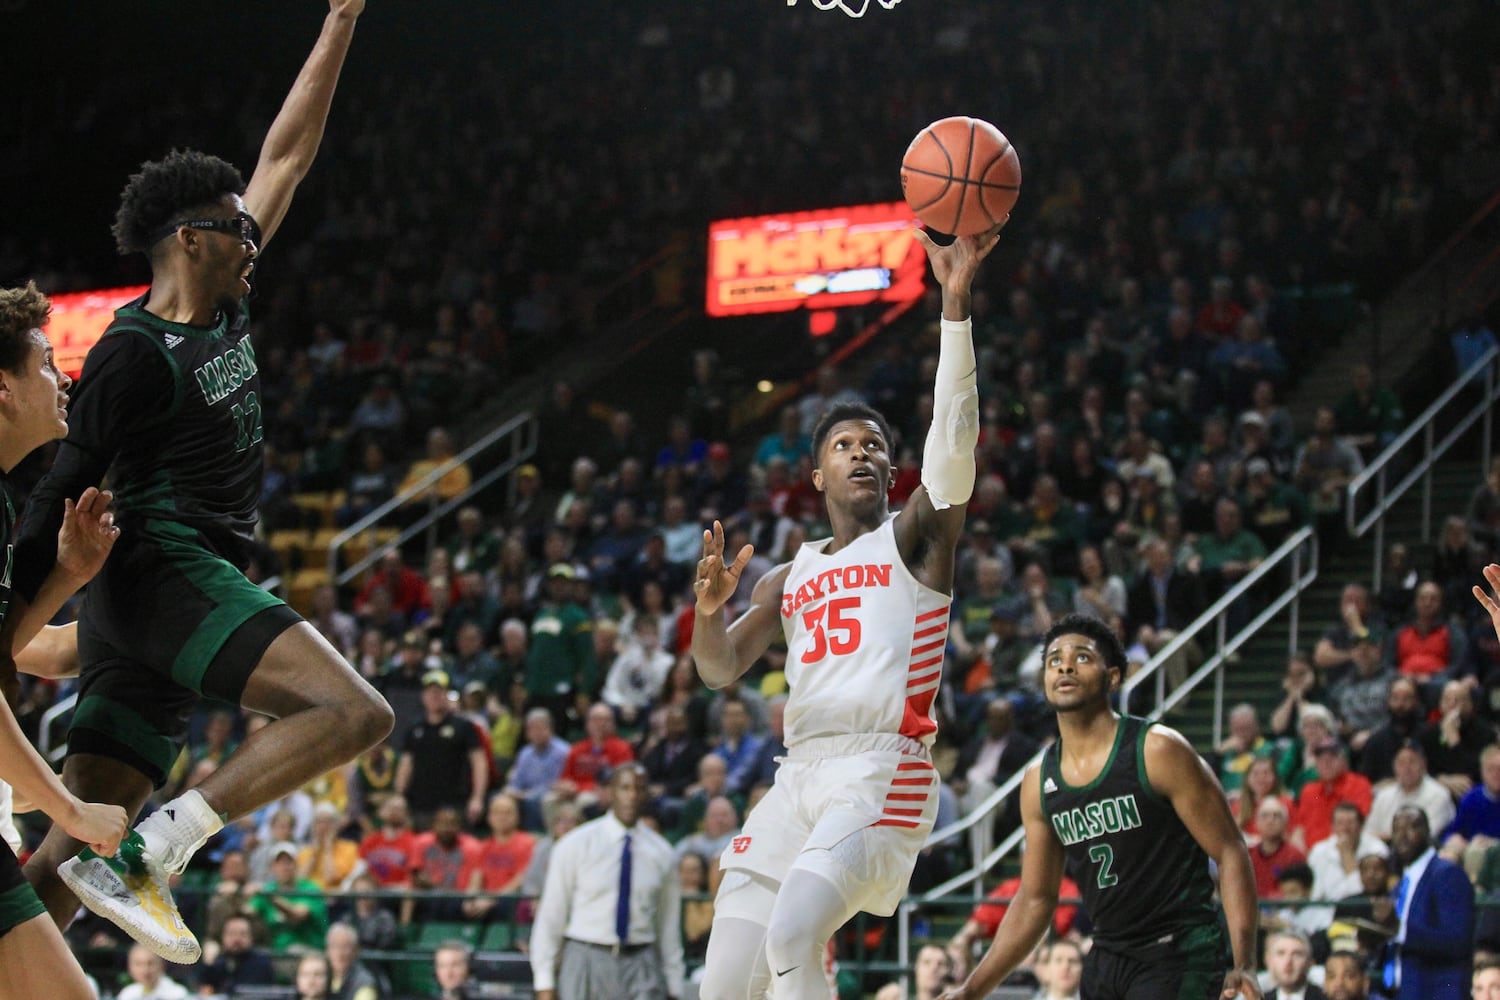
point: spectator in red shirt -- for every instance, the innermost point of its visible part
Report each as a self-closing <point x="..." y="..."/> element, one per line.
<point x="1271" y="852"/>
<point x="1429" y="647"/>
<point x="407" y="587"/>
<point x="390" y="853"/>
<point x="500" y="864"/>
<point x="593" y="757"/>
<point x="1335" y="784"/>
<point x="443" y="856"/>
<point x="985" y="919"/>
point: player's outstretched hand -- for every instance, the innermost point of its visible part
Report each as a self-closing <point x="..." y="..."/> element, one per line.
<point x="1491" y="608"/>
<point x="716" y="581"/>
<point x="1240" y="986"/>
<point x="98" y="824"/>
<point x="955" y="264"/>
<point x="88" y="533"/>
<point x="347" y="8"/>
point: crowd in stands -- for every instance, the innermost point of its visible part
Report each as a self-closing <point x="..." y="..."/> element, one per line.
<point x="1136" y="458"/>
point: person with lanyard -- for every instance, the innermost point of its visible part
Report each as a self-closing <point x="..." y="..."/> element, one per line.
<point x="608" y="922"/>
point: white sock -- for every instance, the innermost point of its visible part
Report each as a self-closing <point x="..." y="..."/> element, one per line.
<point x="173" y="834"/>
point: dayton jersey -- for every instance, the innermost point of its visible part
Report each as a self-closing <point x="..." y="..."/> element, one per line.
<point x="177" y="409"/>
<point x="864" y="641"/>
<point x="1143" y="877"/>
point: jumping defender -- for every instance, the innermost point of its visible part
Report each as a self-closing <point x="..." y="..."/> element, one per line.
<point x="169" y="406"/>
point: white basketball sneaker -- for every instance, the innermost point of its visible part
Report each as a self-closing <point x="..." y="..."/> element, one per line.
<point x="131" y="890"/>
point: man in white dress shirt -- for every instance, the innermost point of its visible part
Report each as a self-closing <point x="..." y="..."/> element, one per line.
<point x="589" y="943"/>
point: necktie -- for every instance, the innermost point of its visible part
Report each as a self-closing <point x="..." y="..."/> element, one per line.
<point x="1392" y="962"/>
<point x="622" y="904"/>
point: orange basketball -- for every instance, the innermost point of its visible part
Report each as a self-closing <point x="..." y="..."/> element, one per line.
<point x="961" y="176"/>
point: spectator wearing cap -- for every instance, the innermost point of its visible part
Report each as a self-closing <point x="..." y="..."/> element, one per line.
<point x="530" y="510"/>
<point x="1413" y="787"/>
<point x="1335" y="784"/>
<point x="401" y="681"/>
<point x="289" y="907"/>
<point x="560" y="664"/>
<point x="1272" y="509"/>
<point x="443" y="762"/>
<point x="1359" y="700"/>
<point x="1255" y="441"/>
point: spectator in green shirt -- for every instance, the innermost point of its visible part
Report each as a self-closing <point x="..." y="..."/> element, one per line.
<point x="1369" y="417"/>
<point x="561" y="671"/>
<point x="291" y="909"/>
<point x="1223" y="557"/>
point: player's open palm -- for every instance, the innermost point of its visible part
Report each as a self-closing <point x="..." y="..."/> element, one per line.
<point x="88" y="533"/>
<point x="98" y="824"/>
<point x="716" y="581"/>
<point x="1491" y="608"/>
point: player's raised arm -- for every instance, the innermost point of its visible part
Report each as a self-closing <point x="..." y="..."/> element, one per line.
<point x="292" y="142"/>
<point x="936" y="510"/>
<point x="1177" y="772"/>
<point x="1029" y="915"/>
<point x="724" y="651"/>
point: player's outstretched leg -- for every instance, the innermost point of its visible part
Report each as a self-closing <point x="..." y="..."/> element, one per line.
<point x="325" y="715"/>
<point x="809" y="909"/>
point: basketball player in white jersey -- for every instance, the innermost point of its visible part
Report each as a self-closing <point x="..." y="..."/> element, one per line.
<point x="865" y="616"/>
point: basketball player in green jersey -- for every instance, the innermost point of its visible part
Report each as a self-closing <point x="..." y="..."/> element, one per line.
<point x="1134" y="815"/>
<point x="168" y="405"/>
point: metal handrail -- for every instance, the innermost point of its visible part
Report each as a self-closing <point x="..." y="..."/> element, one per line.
<point x="523" y="431"/>
<point x="1290" y="551"/>
<point x="1425" y="425"/>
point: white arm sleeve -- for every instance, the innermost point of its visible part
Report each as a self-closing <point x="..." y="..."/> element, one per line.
<point x="948" y="460"/>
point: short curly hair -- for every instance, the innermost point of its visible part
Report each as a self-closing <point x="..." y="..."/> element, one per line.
<point x="837" y="414"/>
<point x="165" y="190"/>
<point x="21" y="311"/>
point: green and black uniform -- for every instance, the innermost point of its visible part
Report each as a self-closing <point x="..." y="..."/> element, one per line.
<point x="1145" y="881"/>
<point x="173" y="414"/>
<point x="18" y="900"/>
